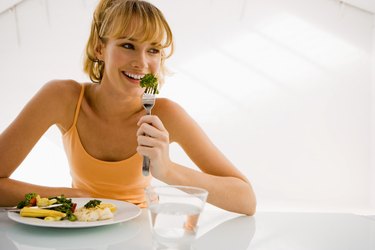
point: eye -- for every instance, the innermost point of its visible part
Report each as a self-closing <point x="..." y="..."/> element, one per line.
<point x="128" y="46"/>
<point x="154" y="51"/>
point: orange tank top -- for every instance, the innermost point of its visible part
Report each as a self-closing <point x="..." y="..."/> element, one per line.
<point x="120" y="180"/>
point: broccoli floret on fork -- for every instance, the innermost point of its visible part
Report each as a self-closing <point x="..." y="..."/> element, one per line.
<point x="150" y="82"/>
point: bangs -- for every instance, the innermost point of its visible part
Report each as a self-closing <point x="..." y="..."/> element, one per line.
<point x="139" y="22"/>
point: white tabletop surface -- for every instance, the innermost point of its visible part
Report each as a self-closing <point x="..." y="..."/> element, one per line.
<point x="218" y="230"/>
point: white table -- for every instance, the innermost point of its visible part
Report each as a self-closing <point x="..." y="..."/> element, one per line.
<point x="218" y="230"/>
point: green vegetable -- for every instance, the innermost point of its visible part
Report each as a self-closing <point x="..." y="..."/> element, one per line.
<point x="67" y="207"/>
<point x="93" y="203"/>
<point x="30" y="200"/>
<point x="150" y="82"/>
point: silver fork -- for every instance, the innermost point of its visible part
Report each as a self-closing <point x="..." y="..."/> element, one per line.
<point x="15" y="209"/>
<point x="148" y="101"/>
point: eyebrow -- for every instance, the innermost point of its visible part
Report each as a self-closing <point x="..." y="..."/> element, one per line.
<point x="136" y="40"/>
<point x="127" y="38"/>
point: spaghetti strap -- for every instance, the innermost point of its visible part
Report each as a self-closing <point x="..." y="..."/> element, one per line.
<point x="78" y="105"/>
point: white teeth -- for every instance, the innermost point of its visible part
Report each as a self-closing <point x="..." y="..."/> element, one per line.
<point x="134" y="76"/>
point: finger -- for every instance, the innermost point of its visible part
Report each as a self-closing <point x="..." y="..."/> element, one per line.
<point x="152" y="120"/>
<point x="146" y="151"/>
<point x="153" y="127"/>
<point x="147" y="129"/>
<point x="146" y="141"/>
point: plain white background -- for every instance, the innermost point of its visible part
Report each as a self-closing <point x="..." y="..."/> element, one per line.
<point x="284" y="88"/>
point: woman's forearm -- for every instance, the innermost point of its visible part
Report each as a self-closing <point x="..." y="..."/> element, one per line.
<point x="229" y="193"/>
<point x="13" y="191"/>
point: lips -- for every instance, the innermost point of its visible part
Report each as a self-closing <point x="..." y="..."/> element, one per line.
<point x="133" y="76"/>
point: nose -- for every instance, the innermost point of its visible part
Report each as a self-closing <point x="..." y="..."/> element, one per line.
<point x="139" y="60"/>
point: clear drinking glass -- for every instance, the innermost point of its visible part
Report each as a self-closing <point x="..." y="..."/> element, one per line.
<point x="174" y="212"/>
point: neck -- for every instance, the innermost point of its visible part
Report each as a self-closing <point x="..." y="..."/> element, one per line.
<point x="112" y="105"/>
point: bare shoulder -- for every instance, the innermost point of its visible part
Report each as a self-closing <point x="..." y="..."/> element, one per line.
<point x="165" y="104"/>
<point x="175" y="119"/>
<point x="61" y="89"/>
<point x="169" y="110"/>
<point x="61" y="96"/>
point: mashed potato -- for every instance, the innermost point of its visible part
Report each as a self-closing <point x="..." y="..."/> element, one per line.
<point x="93" y="214"/>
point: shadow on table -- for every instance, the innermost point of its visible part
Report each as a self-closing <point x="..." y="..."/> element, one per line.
<point x="72" y="238"/>
<point x="235" y="233"/>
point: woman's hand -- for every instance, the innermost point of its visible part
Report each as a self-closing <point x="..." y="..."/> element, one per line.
<point x="153" y="142"/>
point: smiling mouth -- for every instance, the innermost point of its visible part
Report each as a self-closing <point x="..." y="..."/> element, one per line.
<point x="133" y="76"/>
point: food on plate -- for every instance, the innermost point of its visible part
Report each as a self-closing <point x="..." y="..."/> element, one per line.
<point x="28" y="201"/>
<point x="68" y="207"/>
<point x="49" y="218"/>
<point x="111" y="206"/>
<point x="150" y="82"/>
<point x="93" y="214"/>
<point x="32" y="199"/>
<point x="99" y="204"/>
<point x="41" y="213"/>
<point x="44" y="202"/>
<point x="94" y="210"/>
<point x="92" y="203"/>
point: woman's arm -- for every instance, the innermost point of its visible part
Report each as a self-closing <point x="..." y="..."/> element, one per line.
<point x="13" y="191"/>
<point x="228" y="188"/>
<point x="53" y="104"/>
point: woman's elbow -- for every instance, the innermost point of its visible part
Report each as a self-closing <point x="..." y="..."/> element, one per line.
<point x="252" y="209"/>
<point x="245" y="201"/>
<point x="251" y="205"/>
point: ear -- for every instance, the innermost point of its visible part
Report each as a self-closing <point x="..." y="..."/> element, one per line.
<point x="99" y="51"/>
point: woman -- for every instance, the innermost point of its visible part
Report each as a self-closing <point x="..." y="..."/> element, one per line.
<point x="105" y="129"/>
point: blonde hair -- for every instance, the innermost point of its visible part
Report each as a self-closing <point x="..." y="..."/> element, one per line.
<point x="126" y="18"/>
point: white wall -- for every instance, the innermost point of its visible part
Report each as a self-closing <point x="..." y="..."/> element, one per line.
<point x="282" y="87"/>
<point x="372" y="148"/>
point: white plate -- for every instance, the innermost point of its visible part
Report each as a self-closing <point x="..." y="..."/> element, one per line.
<point x="125" y="211"/>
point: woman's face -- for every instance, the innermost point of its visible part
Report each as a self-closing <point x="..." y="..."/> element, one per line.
<point x="127" y="60"/>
